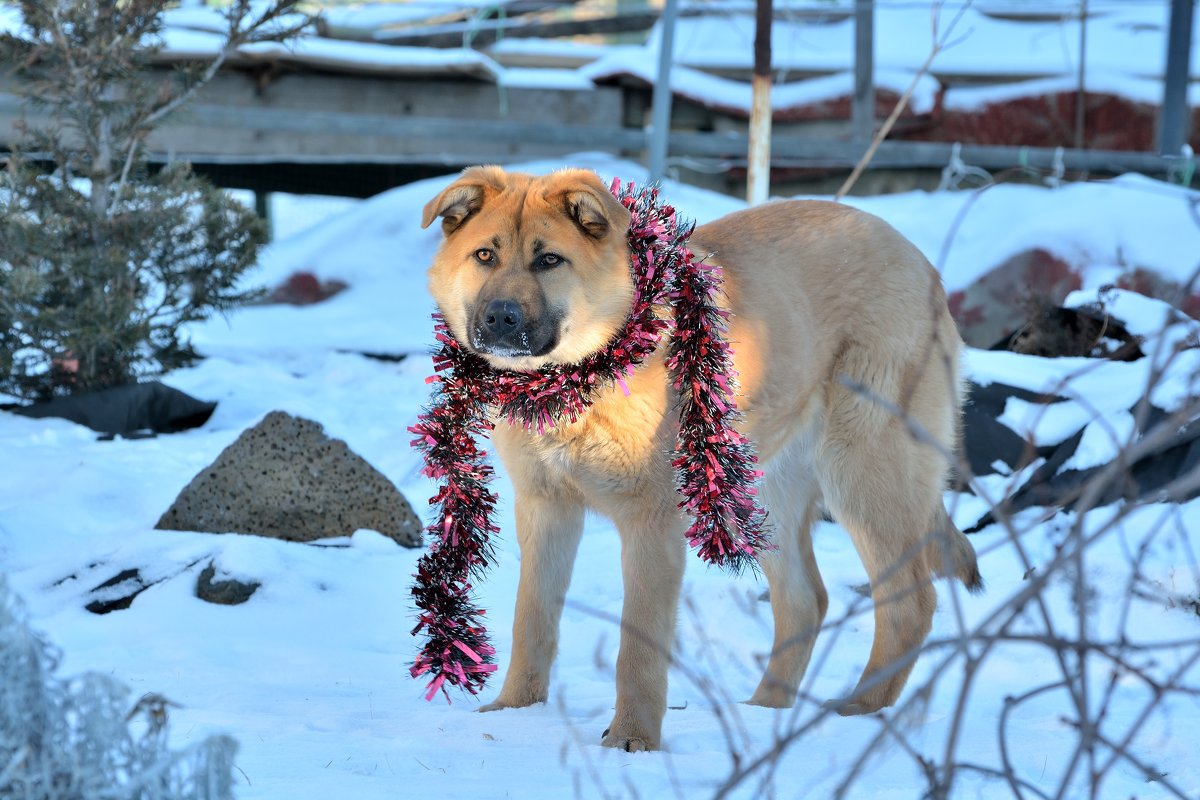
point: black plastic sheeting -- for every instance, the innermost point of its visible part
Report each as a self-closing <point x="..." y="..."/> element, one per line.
<point x="137" y="409"/>
<point x="986" y="441"/>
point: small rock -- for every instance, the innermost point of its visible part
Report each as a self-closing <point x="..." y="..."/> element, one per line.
<point x="226" y="593"/>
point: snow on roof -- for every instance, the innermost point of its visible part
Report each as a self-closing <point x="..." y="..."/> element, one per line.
<point x="560" y="48"/>
<point x="1129" y="39"/>
<point x="733" y="96"/>
<point x="543" y="78"/>
<point x="363" y="57"/>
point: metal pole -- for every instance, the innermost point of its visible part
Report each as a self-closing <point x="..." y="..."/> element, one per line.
<point x="1173" y="117"/>
<point x="863" y="119"/>
<point x="758" y="175"/>
<point x="1081" y="88"/>
<point x="660" y="103"/>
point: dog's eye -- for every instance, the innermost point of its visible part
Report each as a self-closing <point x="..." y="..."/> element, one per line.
<point x="485" y="256"/>
<point x="549" y="261"/>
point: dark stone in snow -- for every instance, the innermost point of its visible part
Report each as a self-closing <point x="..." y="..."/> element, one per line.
<point x="226" y="593"/>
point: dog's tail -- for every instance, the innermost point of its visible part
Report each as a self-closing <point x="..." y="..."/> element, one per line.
<point x="951" y="553"/>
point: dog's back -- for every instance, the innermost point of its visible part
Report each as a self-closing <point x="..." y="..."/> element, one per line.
<point x="849" y="378"/>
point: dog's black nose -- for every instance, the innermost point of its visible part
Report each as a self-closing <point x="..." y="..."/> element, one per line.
<point x="502" y="317"/>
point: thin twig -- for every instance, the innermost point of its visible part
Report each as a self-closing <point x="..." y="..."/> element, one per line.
<point x="939" y="44"/>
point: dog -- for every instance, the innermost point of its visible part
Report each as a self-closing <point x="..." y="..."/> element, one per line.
<point x="847" y="365"/>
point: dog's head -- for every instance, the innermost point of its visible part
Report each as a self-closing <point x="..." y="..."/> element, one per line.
<point x="533" y="271"/>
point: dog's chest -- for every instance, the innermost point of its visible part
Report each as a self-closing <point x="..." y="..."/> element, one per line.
<point x="620" y="446"/>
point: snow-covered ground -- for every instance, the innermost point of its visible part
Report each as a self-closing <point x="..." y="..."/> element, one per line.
<point x="311" y="675"/>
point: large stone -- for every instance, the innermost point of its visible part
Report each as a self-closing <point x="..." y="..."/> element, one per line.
<point x="997" y="304"/>
<point x="286" y="479"/>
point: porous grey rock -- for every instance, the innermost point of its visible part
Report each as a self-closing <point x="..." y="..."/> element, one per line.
<point x="285" y="478"/>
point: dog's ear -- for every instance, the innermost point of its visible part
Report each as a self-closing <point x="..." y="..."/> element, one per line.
<point x="458" y="201"/>
<point x="593" y="208"/>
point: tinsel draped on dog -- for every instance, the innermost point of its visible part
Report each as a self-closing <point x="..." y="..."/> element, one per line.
<point x="715" y="465"/>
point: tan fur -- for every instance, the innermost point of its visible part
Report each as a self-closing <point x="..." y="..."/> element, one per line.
<point x="838" y="324"/>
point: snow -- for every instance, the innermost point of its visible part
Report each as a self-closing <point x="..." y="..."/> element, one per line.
<point x="1103" y="439"/>
<point x="181" y="43"/>
<point x="1132" y="221"/>
<point x="310" y="675"/>
<point x="543" y="78"/>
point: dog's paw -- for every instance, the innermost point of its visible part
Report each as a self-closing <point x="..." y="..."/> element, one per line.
<point x="772" y="697"/>
<point x="630" y="744"/>
<point x="495" y="705"/>
<point x="503" y="702"/>
<point x="850" y="706"/>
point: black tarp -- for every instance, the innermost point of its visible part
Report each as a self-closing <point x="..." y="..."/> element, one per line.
<point x="130" y="410"/>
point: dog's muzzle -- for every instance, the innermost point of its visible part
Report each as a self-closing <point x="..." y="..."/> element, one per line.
<point x="501" y="328"/>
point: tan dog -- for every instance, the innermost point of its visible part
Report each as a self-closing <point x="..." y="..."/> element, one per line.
<point x="848" y="376"/>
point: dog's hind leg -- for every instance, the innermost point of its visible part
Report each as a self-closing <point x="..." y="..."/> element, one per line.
<point x="798" y="597"/>
<point x="549" y="527"/>
<point x="884" y="486"/>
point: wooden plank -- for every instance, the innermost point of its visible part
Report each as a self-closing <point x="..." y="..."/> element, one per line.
<point x="370" y="33"/>
<point x="327" y="120"/>
<point x="481" y="33"/>
<point x="311" y="118"/>
<point x="795" y="151"/>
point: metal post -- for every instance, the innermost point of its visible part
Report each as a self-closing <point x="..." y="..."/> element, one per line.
<point x="1173" y="117"/>
<point x="660" y="103"/>
<point x="863" y="120"/>
<point x="1081" y="88"/>
<point x="758" y="174"/>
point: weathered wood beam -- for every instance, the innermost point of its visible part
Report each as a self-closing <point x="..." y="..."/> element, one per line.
<point x="486" y="32"/>
<point x="455" y="141"/>
<point x="370" y="33"/>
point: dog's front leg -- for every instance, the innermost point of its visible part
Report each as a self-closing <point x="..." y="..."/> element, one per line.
<point x="549" y="525"/>
<point x="652" y="554"/>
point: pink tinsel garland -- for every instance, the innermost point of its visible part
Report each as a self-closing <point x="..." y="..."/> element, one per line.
<point x="714" y="463"/>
